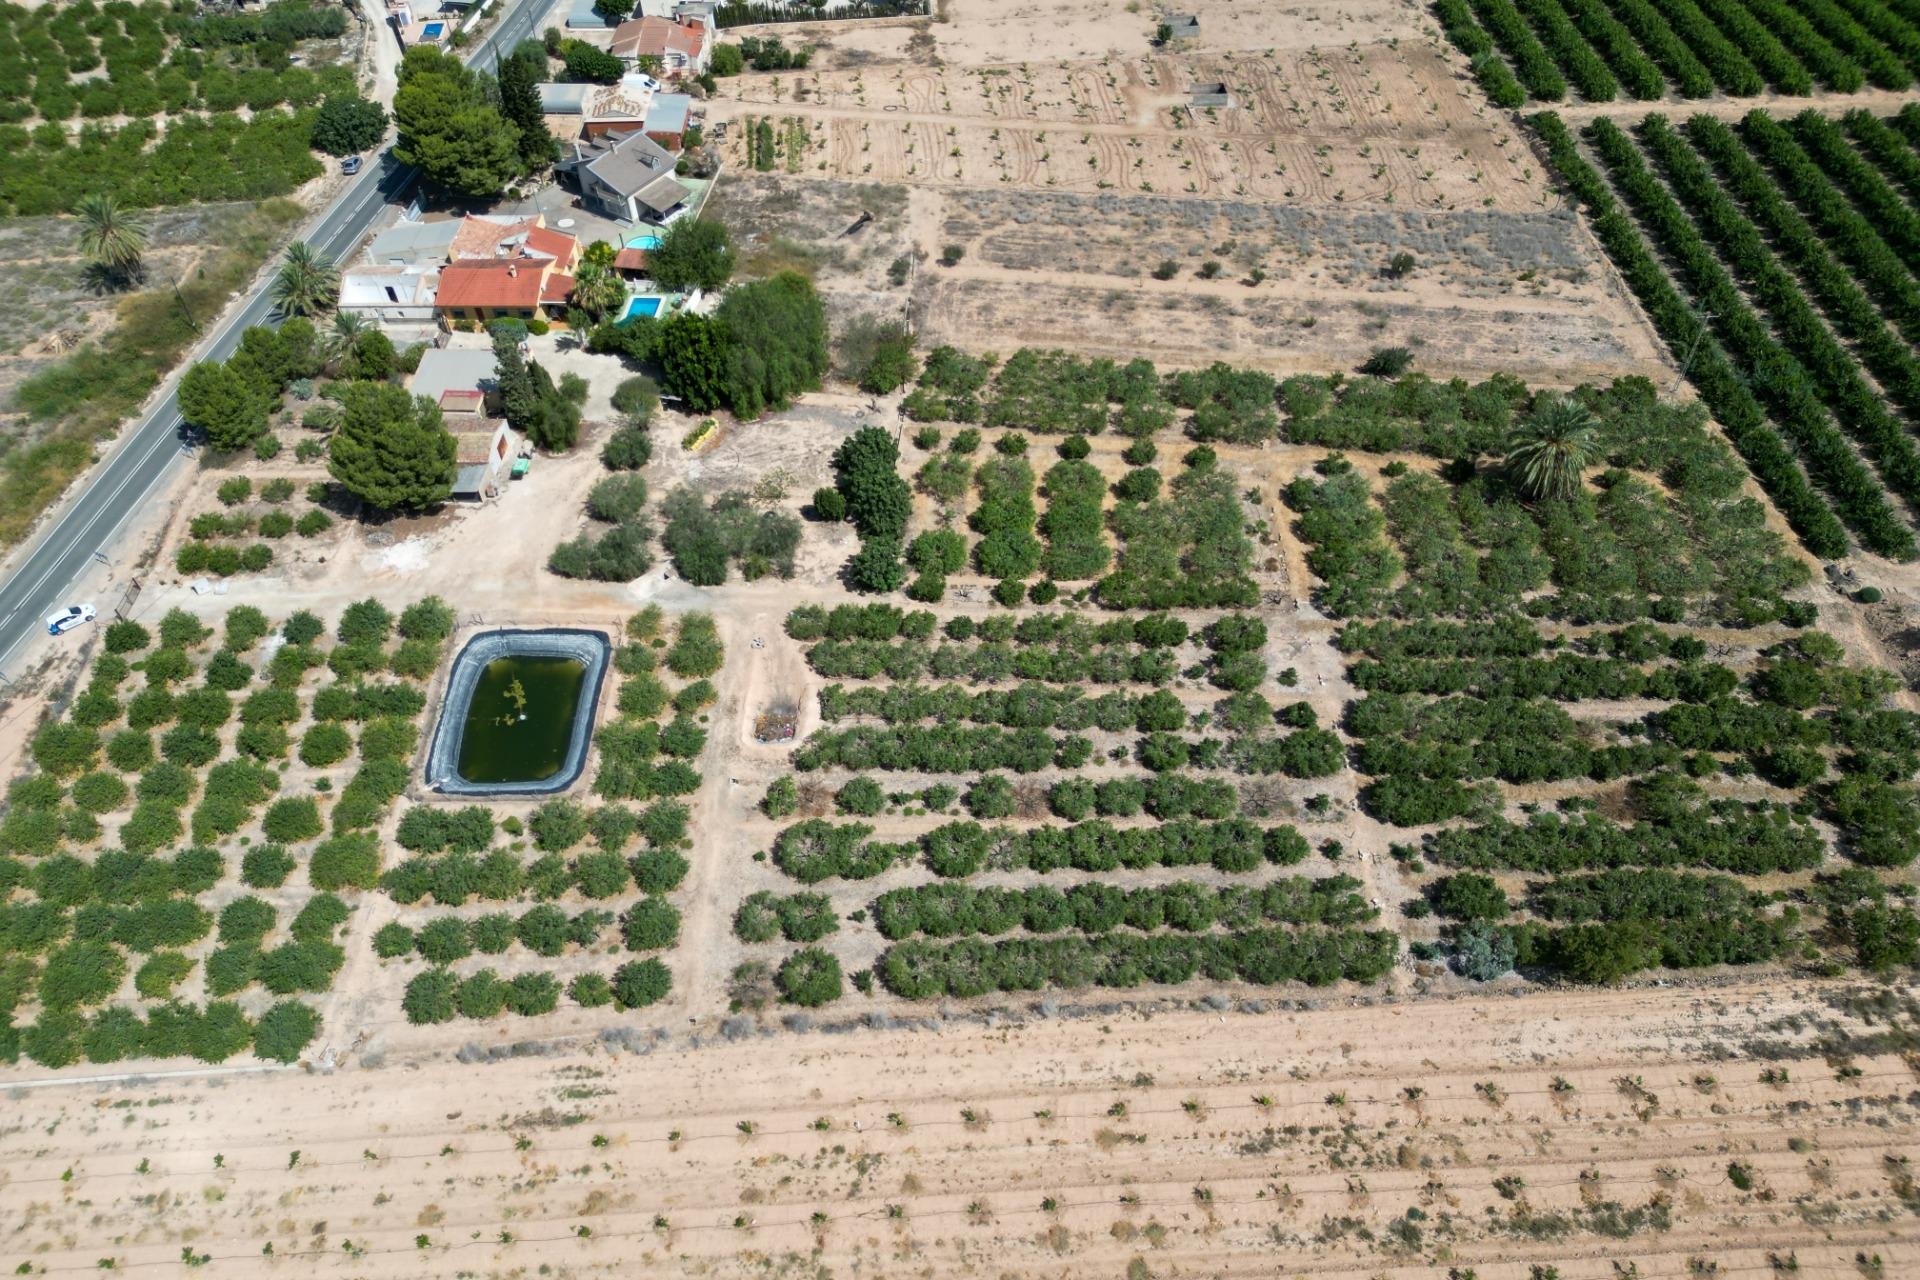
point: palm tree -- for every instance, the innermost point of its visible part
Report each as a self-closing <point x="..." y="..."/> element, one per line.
<point x="596" y="290"/>
<point x="111" y="238"/>
<point x="307" y="283"/>
<point x="1551" y="447"/>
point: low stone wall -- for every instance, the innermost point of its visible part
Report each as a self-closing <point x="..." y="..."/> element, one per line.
<point x="589" y="648"/>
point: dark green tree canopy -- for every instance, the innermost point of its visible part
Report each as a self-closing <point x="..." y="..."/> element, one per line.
<point x="346" y="124"/>
<point x="449" y="127"/>
<point x="392" y="450"/>
<point x="693" y="254"/>
<point x="225" y="403"/>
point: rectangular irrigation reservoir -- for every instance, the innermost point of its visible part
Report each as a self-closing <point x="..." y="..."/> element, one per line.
<point x="518" y="713"/>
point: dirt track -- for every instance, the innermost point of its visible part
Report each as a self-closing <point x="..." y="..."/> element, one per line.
<point x="1143" y="1133"/>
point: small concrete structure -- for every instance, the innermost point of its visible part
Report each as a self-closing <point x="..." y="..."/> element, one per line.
<point x="458" y="379"/>
<point x="564" y="99"/>
<point x="484" y="450"/>
<point x="589" y="648"/>
<point x="1214" y="95"/>
<point x="1183" y="26"/>
<point x="414" y="244"/>
<point x="388" y="295"/>
<point x="582" y="16"/>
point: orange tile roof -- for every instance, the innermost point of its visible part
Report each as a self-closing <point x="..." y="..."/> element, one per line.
<point x="555" y="244"/>
<point x="658" y="37"/>
<point x="559" y="288"/>
<point x="630" y="260"/>
<point x="499" y="285"/>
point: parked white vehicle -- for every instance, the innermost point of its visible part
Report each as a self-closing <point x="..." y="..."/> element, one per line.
<point x="68" y="618"/>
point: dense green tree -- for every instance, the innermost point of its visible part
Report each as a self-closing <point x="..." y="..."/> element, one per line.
<point x="450" y="129"/>
<point x="392" y="449"/>
<point x="692" y="353"/>
<point x="586" y="64"/>
<point x="866" y="473"/>
<point x="694" y="253"/>
<point x="347" y="123"/>
<point x="775" y="340"/>
<point x="223" y="403"/>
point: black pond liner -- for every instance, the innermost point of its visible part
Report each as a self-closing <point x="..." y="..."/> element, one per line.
<point x="589" y="648"/>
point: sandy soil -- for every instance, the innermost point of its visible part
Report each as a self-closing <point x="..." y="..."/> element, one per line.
<point x="1589" y="1132"/>
<point x="1090" y="203"/>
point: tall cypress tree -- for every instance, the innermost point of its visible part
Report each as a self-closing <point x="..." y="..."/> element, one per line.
<point x="517" y="395"/>
<point x="520" y="104"/>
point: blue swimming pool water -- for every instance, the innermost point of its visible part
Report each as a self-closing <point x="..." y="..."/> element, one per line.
<point x="433" y="29"/>
<point x="643" y="242"/>
<point x="640" y="307"/>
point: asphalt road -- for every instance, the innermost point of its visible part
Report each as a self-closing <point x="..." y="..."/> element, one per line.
<point x="157" y="446"/>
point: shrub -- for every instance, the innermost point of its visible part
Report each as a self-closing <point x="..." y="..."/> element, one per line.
<point x="651" y="924"/>
<point x="302" y="628"/>
<point x="427" y="619"/>
<point x="445" y="940"/>
<point x="64" y="749"/>
<point x="590" y="991"/>
<point x="284" y="1030"/>
<point x="617" y="498"/>
<point x="99" y="792"/>
<point x="365" y="621"/>
<point x="829" y="505"/>
<point x="659" y="871"/>
<point x="628" y="449"/>
<point x="81" y="973"/>
<point x="325" y="744"/>
<point x="126" y="636"/>
<point x="558" y="825"/>
<point x="810" y="978"/>
<point x="350" y="860"/>
<point x="782" y="797"/>
<point x="130" y="750"/>
<point x="292" y="820"/>
<point x="696" y="651"/>
<point x="162" y="972"/>
<point x="1387" y="362"/>
<point x="640" y="983"/>
<point x="430" y="998"/>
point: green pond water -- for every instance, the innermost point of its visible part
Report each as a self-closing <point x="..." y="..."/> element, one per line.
<point x="520" y="719"/>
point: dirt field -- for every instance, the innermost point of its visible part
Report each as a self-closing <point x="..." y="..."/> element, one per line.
<point x="1597" y="1133"/>
<point x="1082" y="201"/>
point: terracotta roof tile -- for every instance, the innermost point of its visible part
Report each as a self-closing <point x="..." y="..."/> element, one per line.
<point x="658" y="37"/>
<point x="498" y="285"/>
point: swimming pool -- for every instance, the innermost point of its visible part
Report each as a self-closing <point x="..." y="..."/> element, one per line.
<point x="643" y="242"/>
<point x="648" y="306"/>
<point x="432" y="30"/>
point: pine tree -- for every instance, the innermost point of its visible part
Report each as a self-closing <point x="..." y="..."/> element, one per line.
<point x="392" y="449"/>
<point x="224" y="403"/>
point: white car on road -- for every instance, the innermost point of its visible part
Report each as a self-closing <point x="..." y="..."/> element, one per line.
<point x="68" y="618"/>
